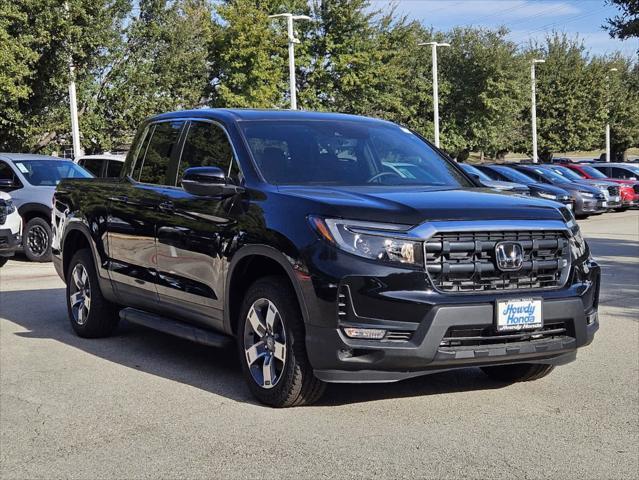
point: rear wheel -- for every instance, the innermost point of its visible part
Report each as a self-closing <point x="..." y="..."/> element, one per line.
<point x="37" y="240"/>
<point x="90" y="314"/>
<point x="520" y="372"/>
<point x="272" y="348"/>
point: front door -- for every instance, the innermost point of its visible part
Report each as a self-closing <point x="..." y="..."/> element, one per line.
<point x="195" y="232"/>
<point x="133" y="209"/>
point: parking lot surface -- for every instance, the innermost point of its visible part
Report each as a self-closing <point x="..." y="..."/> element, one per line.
<point x="145" y="405"/>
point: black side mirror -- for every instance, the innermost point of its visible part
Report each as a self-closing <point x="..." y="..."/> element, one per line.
<point x="208" y="181"/>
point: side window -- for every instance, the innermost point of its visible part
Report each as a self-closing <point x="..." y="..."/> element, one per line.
<point x="604" y="170"/>
<point x="114" y="168"/>
<point x="93" y="165"/>
<point x="141" y="151"/>
<point x="206" y="145"/>
<point x="158" y="154"/>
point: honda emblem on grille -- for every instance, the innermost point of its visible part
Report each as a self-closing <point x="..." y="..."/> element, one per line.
<point x="509" y="256"/>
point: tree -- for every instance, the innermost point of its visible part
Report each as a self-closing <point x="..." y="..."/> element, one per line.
<point x="625" y="25"/>
<point x="484" y="94"/>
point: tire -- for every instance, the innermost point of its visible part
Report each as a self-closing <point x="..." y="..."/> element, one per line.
<point x="99" y="317"/>
<point x="519" y="372"/>
<point x="37" y="240"/>
<point x="3" y="260"/>
<point x="279" y="342"/>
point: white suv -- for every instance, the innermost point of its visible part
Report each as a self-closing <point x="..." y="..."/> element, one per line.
<point x="10" y="228"/>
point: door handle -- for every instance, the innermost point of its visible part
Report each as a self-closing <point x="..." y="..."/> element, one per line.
<point x="119" y="198"/>
<point x="166" y="206"/>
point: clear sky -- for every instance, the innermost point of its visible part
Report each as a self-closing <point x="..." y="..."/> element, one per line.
<point x="526" y="19"/>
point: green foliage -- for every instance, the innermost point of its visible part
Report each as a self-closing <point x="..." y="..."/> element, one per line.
<point x="625" y="25"/>
<point x="135" y="58"/>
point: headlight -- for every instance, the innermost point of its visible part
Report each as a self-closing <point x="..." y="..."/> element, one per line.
<point x="548" y="196"/>
<point x="586" y="194"/>
<point x="377" y="241"/>
<point x="8" y="206"/>
<point x="578" y="246"/>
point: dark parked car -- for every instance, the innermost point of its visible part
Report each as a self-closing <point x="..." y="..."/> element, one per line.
<point x="586" y="200"/>
<point x="289" y="233"/>
<point x="536" y="189"/>
<point x="31" y="180"/>
<point x="488" y="182"/>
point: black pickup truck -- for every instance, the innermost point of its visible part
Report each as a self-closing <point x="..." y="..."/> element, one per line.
<point x="329" y="248"/>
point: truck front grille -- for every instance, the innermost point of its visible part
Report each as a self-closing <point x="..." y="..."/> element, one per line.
<point x="613" y="191"/>
<point x="465" y="261"/>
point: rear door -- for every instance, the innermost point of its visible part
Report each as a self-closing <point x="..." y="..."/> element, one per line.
<point x="194" y="232"/>
<point x="133" y="211"/>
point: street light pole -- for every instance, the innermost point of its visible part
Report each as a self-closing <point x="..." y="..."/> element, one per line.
<point x="73" y="104"/>
<point x="434" y="46"/>
<point x="533" y="109"/>
<point x="291" y="52"/>
<point x="608" y="115"/>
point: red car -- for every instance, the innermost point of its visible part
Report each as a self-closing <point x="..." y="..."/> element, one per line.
<point x="628" y="189"/>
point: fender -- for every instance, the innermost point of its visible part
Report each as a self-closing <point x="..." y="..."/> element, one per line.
<point x="273" y="254"/>
<point x="27" y="208"/>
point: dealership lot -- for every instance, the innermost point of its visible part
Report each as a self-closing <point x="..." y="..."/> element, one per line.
<point x="143" y="404"/>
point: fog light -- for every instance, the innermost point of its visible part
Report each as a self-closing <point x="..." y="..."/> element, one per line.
<point x="365" y="333"/>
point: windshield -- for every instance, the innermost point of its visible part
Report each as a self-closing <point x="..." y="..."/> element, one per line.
<point x="346" y="153"/>
<point x="566" y="172"/>
<point x="550" y="175"/>
<point x="514" y="175"/>
<point x="471" y="170"/>
<point x="42" y="173"/>
<point x="593" y="172"/>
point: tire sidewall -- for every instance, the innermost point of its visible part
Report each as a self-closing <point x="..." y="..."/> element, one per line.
<point x="46" y="256"/>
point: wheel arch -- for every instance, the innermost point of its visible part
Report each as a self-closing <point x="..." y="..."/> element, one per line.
<point x="249" y="264"/>
<point x="28" y="211"/>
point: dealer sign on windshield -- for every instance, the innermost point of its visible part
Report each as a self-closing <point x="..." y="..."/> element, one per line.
<point x="522" y="314"/>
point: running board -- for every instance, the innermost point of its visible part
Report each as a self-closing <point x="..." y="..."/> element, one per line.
<point x="175" y="328"/>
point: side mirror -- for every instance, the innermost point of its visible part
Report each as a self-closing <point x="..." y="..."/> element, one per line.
<point x="208" y="181"/>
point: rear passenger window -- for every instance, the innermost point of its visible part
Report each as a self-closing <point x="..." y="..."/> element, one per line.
<point x="93" y="165"/>
<point x="206" y="145"/>
<point x="161" y="146"/>
<point x="114" y="168"/>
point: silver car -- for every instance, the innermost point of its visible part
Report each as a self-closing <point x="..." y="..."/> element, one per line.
<point x="31" y="180"/>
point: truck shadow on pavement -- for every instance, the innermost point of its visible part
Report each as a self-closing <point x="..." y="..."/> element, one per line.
<point x="210" y="369"/>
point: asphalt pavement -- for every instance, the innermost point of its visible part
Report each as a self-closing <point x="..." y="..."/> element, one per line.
<point x="146" y="405"/>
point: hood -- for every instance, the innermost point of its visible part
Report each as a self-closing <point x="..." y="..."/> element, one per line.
<point x="507" y="186"/>
<point x="542" y="187"/>
<point x="420" y="204"/>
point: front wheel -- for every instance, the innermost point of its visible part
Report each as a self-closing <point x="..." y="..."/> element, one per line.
<point x="272" y="349"/>
<point x="519" y="372"/>
<point x="37" y="240"/>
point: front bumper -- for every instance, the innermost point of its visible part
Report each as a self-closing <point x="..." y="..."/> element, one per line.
<point x="9" y="242"/>
<point x="419" y="322"/>
<point x="590" y="206"/>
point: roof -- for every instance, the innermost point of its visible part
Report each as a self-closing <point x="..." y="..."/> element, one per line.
<point x="27" y="156"/>
<point x="256" y="115"/>
<point x="104" y="156"/>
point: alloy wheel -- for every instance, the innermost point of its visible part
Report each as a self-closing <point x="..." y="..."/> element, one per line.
<point x="80" y="294"/>
<point x="37" y="240"/>
<point x="265" y="343"/>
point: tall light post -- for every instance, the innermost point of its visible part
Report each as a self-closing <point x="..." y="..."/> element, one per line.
<point x="434" y="46"/>
<point x="291" y="51"/>
<point x="608" y="114"/>
<point x="73" y="105"/>
<point x="533" y="108"/>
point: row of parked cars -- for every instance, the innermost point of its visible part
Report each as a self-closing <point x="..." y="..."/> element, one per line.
<point x="586" y="188"/>
<point x="27" y="183"/>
